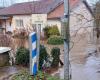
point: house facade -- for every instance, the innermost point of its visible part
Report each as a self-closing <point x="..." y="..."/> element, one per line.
<point x="46" y="12"/>
<point x="81" y="16"/>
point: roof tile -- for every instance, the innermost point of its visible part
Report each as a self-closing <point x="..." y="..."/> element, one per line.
<point x="42" y="6"/>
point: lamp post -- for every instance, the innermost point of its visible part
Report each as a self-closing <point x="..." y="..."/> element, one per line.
<point x="66" y="37"/>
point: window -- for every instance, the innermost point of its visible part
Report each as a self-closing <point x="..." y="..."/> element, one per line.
<point x="1" y="30"/>
<point x="34" y="27"/>
<point x="19" y="23"/>
<point x="38" y="26"/>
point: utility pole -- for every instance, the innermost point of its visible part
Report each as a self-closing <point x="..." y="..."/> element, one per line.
<point x="66" y="37"/>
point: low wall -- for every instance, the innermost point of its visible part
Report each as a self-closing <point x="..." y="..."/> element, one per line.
<point x="4" y="59"/>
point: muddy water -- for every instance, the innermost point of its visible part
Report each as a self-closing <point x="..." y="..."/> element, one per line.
<point x="6" y="71"/>
<point x="92" y="68"/>
<point x="88" y="71"/>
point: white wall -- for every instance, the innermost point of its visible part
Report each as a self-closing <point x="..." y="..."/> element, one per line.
<point x="26" y="21"/>
<point x="79" y="19"/>
<point x="39" y="19"/>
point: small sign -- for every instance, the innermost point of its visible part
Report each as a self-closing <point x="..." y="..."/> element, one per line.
<point x="33" y="53"/>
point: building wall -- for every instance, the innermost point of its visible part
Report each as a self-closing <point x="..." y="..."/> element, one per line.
<point x="80" y="19"/>
<point x="81" y="28"/>
<point x="39" y="19"/>
<point x="58" y="12"/>
<point x="26" y="21"/>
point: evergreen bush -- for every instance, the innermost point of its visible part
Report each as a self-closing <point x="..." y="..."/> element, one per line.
<point x="54" y="30"/>
<point x="22" y="56"/>
<point x="43" y="56"/>
<point x="46" y="31"/>
<point x="55" y="52"/>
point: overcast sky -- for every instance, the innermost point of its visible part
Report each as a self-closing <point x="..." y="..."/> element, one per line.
<point x="8" y="2"/>
<point x="23" y="0"/>
<point x="91" y="1"/>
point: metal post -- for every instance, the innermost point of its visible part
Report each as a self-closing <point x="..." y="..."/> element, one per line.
<point x="66" y="40"/>
<point x="38" y="42"/>
<point x="33" y="53"/>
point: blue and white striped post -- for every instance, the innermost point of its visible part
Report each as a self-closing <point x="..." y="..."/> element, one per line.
<point x="33" y="53"/>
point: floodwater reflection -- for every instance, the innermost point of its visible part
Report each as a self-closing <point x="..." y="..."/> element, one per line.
<point x="92" y="68"/>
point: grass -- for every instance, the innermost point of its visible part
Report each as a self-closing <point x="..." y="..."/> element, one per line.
<point x="24" y="75"/>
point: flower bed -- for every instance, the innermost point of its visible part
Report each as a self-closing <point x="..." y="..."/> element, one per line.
<point x="24" y="75"/>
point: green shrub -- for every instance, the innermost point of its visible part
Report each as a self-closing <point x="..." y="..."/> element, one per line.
<point x="51" y="30"/>
<point x="43" y="56"/>
<point x="55" y="40"/>
<point x="22" y="56"/>
<point x="46" y="31"/>
<point x="24" y="75"/>
<point x="55" y="52"/>
<point x="54" y="30"/>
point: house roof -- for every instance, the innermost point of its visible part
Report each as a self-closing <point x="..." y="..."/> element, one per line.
<point x="2" y="8"/>
<point x="35" y="7"/>
<point x="39" y="7"/>
<point x="49" y="7"/>
<point x="88" y="7"/>
<point x="26" y="8"/>
<point x="58" y="11"/>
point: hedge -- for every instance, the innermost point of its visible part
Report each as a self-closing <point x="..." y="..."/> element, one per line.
<point x="55" y="40"/>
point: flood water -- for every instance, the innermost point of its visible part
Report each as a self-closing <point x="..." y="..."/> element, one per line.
<point x="92" y="68"/>
<point x="9" y="70"/>
<point x="88" y="71"/>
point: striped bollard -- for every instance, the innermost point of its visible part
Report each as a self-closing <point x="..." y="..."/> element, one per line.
<point x="33" y="53"/>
